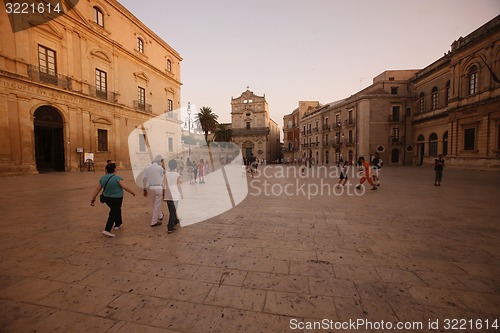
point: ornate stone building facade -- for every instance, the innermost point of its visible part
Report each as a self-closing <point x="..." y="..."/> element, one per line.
<point x="374" y="119"/>
<point x="457" y="102"/>
<point x="451" y="107"/>
<point x="81" y="83"/>
<point x="253" y="129"/>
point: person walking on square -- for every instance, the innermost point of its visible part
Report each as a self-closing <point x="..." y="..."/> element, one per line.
<point x="152" y="183"/>
<point x="180" y="166"/>
<point x="207" y="168"/>
<point x="343" y="174"/>
<point x="201" y="172"/>
<point x="113" y="192"/>
<point x="172" y="193"/>
<point x="366" y="177"/>
<point x="190" y="171"/>
<point x="195" y="171"/>
<point x="253" y="164"/>
<point x="438" y="169"/>
<point x="376" y="166"/>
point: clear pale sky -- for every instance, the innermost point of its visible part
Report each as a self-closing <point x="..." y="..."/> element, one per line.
<point x="302" y="50"/>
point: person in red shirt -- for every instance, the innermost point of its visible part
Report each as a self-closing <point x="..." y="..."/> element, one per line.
<point x="366" y="176"/>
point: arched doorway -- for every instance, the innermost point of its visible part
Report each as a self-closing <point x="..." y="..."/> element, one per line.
<point x="395" y="156"/>
<point x="49" y="139"/>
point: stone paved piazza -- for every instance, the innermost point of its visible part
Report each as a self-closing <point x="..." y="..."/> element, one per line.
<point x="408" y="252"/>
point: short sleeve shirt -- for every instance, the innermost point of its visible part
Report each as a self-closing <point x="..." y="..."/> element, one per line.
<point x="112" y="189"/>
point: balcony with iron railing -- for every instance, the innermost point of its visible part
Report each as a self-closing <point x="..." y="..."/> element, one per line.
<point x="336" y="143"/>
<point x="326" y="128"/>
<point x="169" y="114"/>
<point x="142" y="107"/>
<point x="104" y="95"/>
<point x="37" y="75"/>
<point x="349" y="143"/>
<point x="395" y="140"/>
<point x="395" y="119"/>
<point x="350" y="122"/>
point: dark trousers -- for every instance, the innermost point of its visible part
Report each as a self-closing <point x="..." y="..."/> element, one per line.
<point x="172" y="209"/>
<point x="115" y="212"/>
<point x="439" y="176"/>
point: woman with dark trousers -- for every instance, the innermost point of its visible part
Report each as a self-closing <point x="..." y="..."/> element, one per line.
<point x="113" y="192"/>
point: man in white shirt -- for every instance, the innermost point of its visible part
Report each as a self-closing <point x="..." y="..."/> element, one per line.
<point x="153" y="180"/>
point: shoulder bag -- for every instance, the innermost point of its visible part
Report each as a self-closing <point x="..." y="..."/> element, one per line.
<point x="102" y="198"/>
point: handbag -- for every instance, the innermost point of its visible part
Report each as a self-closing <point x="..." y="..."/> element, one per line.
<point x="102" y="198"/>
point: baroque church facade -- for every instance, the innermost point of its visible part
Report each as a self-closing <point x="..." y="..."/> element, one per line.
<point x="252" y="127"/>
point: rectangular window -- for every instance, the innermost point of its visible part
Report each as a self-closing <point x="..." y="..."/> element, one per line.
<point x="101" y="83"/>
<point x="350" y="116"/>
<point x="140" y="45"/>
<point x="170" y="145"/>
<point x="473" y="84"/>
<point x="98" y="17"/>
<point x="394" y="90"/>
<point x="395" y="113"/>
<point x="350" y="137"/>
<point x="102" y="140"/>
<point x="395" y="134"/>
<point x="47" y="64"/>
<point x="170" y="105"/>
<point x="434" y="100"/>
<point x="142" y="143"/>
<point x="408" y="112"/>
<point x="141" y="98"/>
<point x="433" y="148"/>
<point x="470" y="138"/>
<point x="248" y="125"/>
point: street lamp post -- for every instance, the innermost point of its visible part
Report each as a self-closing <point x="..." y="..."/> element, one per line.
<point x="189" y="126"/>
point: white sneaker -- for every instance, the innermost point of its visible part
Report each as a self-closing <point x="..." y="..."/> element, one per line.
<point x="117" y="228"/>
<point x="107" y="233"/>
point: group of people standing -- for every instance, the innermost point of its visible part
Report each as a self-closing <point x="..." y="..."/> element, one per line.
<point x="159" y="184"/>
<point x="197" y="170"/>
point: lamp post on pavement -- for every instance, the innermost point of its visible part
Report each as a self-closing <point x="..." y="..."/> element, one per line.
<point x="188" y="120"/>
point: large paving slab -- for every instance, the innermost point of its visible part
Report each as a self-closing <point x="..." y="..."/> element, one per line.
<point x="294" y="254"/>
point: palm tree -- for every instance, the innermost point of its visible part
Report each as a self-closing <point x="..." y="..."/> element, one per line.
<point x="223" y="133"/>
<point x="207" y="119"/>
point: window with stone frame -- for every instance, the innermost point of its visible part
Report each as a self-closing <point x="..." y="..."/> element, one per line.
<point x="170" y="145"/>
<point x="141" y="98"/>
<point x="435" y="98"/>
<point x="433" y="144"/>
<point x="469" y="138"/>
<point x="101" y="85"/>
<point x="142" y="143"/>
<point x="421" y="102"/>
<point x="47" y="62"/>
<point x="473" y="79"/>
<point x="98" y="16"/>
<point x="445" y="143"/>
<point x="140" y="45"/>
<point x="102" y="140"/>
